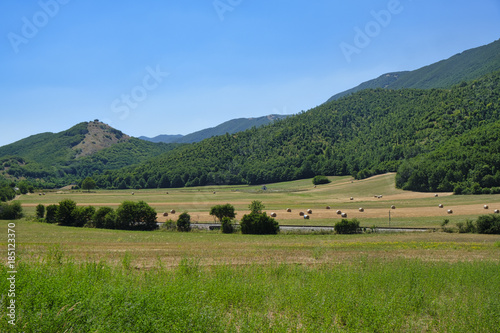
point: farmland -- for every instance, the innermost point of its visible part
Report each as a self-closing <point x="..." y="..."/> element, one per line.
<point x="95" y="280"/>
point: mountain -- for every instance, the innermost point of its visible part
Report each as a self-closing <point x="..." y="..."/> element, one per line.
<point x="231" y="127"/>
<point x="56" y="159"/>
<point x="369" y="132"/>
<point x="463" y="67"/>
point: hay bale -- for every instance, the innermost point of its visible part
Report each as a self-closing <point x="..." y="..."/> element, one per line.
<point x="441" y="206"/>
<point x="380" y="196"/>
<point x="328" y="207"/>
<point x="306" y="217"/>
<point x="165" y="214"/>
<point x="352" y="198"/>
<point x="436" y="195"/>
<point x="172" y="211"/>
<point x="309" y="211"/>
<point x="496" y="211"/>
<point x="486" y="207"/>
<point x="339" y="212"/>
<point x="301" y="214"/>
<point x="133" y="193"/>
<point x="450" y="211"/>
<point x="361" y="209"/>
<point x="273" y="214"/>
<point x="288" y="210"/>
<point x="344" y="215"/>
<point x="393" y="207"/>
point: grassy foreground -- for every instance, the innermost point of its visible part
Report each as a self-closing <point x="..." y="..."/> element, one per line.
<point x="361" y="295"/>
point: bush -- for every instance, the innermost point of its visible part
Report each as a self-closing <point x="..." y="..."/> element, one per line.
<point x="13" y="211"/>
<point x="347" y="226"/>
<point x="40" y="211"/>
<point x="318" y="180"/>
<point x="488" y="224"/>
<point x="170" y="225"/>
<point x="227" y="226"/>
<point x="104" y="218"/>
<point x="468" y="227"/>
<point x="135" y="216"/>
<point x="51" y="213"/>
<point x="83" y="216"/>
<point x="66" y="212"/>
<point x="184" y="222"/>
<point x="259" y="224"/>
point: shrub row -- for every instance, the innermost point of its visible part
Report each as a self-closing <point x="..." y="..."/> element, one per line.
<point x="485" y="224"/>
<point x="11" y="211"/>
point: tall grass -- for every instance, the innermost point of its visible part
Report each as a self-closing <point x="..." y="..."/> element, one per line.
<point x="366" y="295"/>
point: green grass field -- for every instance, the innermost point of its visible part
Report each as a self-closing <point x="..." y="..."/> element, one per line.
<point x="94" y="280"/>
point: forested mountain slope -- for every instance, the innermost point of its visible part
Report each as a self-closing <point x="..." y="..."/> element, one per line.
<point x="369" y="132"/>
<point x="466" y="66"/>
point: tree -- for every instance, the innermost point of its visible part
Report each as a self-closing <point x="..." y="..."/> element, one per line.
<point x="184" y="222"/>
<point x="259" y="224"/>
<point x="40" y="211"/>
<point x="66" y="212"/>
<point x="88" y="184"/>
<point x="227" y="226"/>
<point x="256" y="207"/>
<point x="318" y="180"/>
<point x="13" y="211"/>
<point x="51" y="213"/>
<point x="83" y="216"/>
<point x="221" y="211"/>
<point x="347" y="226"/>
<point x="135" y="216"/>
<point x="104" y="217"/>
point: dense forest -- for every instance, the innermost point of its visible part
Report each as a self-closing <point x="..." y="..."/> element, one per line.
<point x="367" y="133"/>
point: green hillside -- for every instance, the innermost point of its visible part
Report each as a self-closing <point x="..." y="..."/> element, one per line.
<point x="465" y="66"/>
<point x="369" y="132"/>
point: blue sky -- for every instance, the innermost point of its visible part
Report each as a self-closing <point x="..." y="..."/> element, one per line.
<point x="174" y="67"/>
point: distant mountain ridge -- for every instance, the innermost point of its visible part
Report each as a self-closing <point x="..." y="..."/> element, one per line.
<point x="230" y="126"/>
<point x="463" y="67"/>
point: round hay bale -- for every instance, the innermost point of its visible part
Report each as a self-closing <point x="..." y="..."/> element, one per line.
<point x="288" y="210"/>
<point x="328" y="207"/>
<point x="375" y="196"/>
<point x="440" y="206"/>
<point x="309" y="211"/>
<point x="172" y="211"/>
<point x="133" y="193"/>
<point x="39" y="193"/>
<point x="352" y="198"/>
<point x="486" y="207"/>
<point x="339" y="212"/>
<point x="450" y="211"/>
<point x="301" y="214"/>
<point x="436" y="195"/>
<point x="306" y="217"/>
<point x="380" y="196"/>
<point x="393" y="207"/>
<point x="273" y="214"/>
<point x="165" y="214"/>
<point x="344" y="215"/>
<point x="496" y="211"/>
<point x="361" y="209"/>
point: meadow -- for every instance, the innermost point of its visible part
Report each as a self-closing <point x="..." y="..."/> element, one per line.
<point x="94" y="280"/>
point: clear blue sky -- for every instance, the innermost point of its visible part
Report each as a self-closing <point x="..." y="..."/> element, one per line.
<point x="174" y="67"/>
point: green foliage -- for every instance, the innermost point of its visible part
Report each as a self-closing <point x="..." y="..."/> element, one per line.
<point x="40" y="211"/>
<point x="66" y="212"/>
<point x="488" y="224"/>
<point x="12" y="211"/>
<point x="184" y="222"/>
<point x="7" y="193"/>
<point x="346" y="226"/>
<point x="259" y="224"/>
<point x="104" y="218"/>
<point x="135" y="216"/>
<point x="88" y="184"/>
<point x="256" y="207"/>
<point x="227" y="225"/>
<point x="467" y="227"/>
<point x="51" y="214"/>
<point x="83" y="216"/>
<point x="318" y="180"/>
<point x="221" y="211"/>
